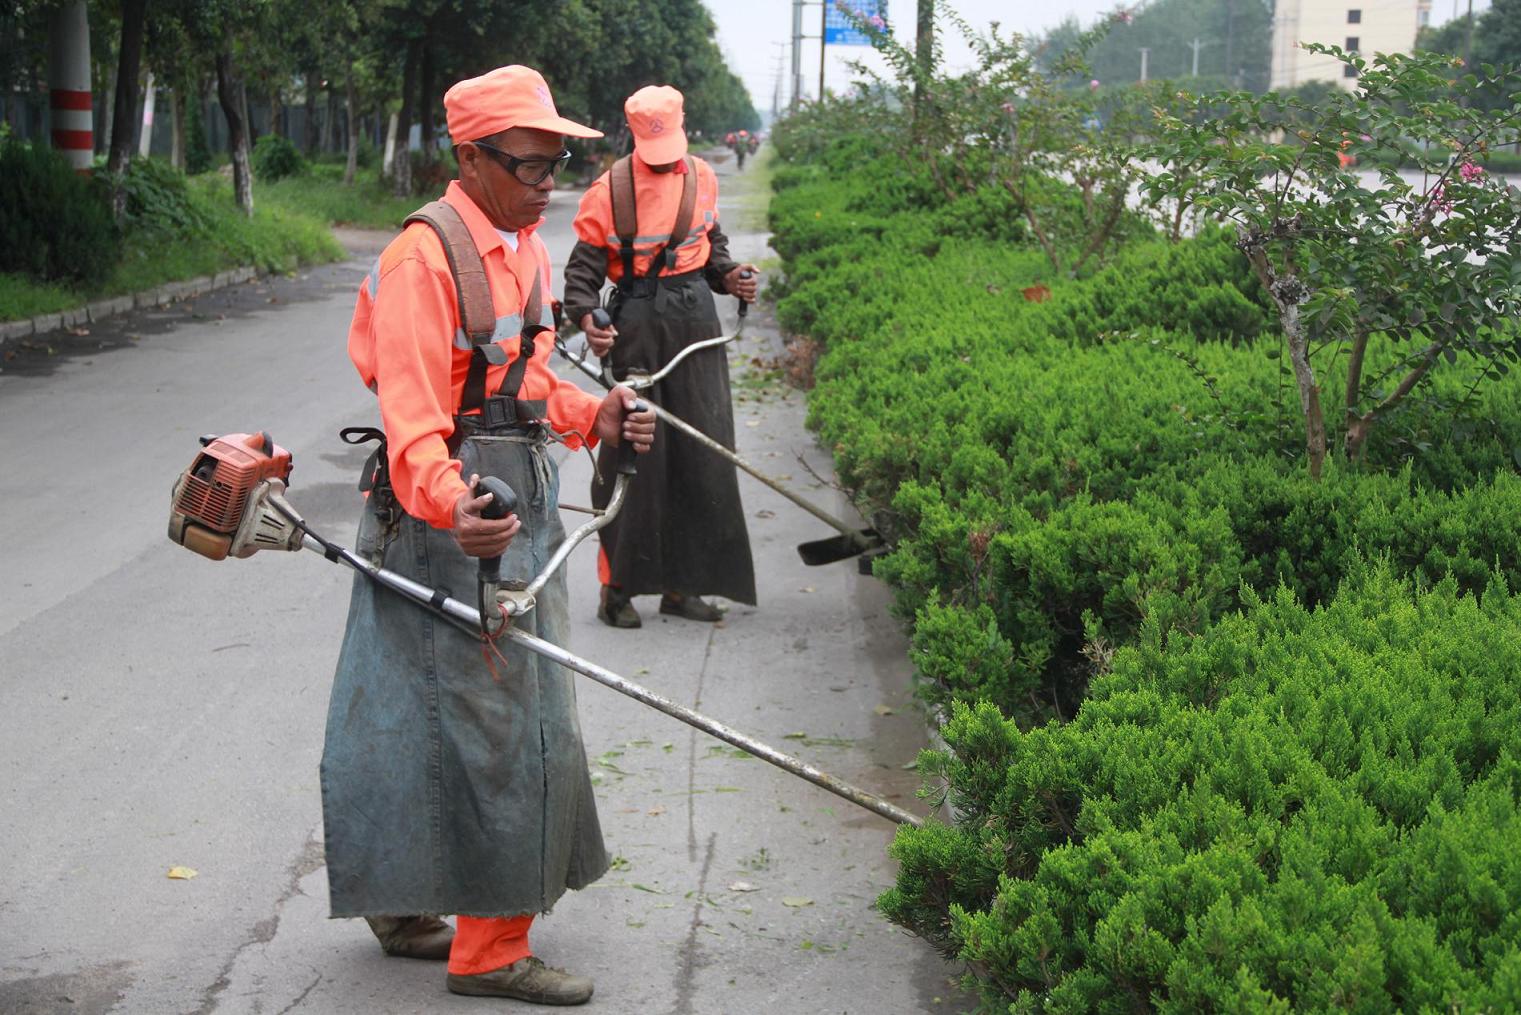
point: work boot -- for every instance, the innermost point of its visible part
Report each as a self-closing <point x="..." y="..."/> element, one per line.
<point x="525" y="980"/>
<point x="617" y="610"/>
<point x="690" y="607"/>
<point x="413" y="937"/>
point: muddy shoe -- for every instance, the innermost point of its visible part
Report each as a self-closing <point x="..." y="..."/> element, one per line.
<point x="617" y="610"/>
<point x="690" y="607"/>
<point x="413" y="937"/>
<point x="526" y="980"/>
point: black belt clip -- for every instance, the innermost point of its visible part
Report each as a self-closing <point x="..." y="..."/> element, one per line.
<point x="504" y="411"/>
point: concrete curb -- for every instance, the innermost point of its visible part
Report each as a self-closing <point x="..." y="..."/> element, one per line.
<point x="99" y="310"/>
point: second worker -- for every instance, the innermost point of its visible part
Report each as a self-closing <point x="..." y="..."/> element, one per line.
<point x="650" y="224"/>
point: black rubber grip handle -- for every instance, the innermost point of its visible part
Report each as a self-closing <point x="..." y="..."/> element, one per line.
<point x="504" y="501"/>
<point x="601" y="318"/>
<point x="626" y="450"/>
<point x="744" y="305"/>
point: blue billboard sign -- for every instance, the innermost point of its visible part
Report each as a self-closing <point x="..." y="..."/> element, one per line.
<point x="840" y="30"/>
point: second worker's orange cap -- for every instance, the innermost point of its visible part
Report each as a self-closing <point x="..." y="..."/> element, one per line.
<point x="655" y="116"/>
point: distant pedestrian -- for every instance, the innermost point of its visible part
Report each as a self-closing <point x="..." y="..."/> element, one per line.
<point x="651" y="226"/>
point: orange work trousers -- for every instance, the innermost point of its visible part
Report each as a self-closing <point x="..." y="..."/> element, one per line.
<point x="484" y="944"/>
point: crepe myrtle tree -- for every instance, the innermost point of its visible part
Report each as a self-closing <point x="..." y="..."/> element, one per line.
<point x="1426" y="261"/>
<point x="1012" y="121"/>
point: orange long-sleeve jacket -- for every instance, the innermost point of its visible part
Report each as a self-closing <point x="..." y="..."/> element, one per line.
<point x="656" y="198"/>
<point x="407" y="342"/>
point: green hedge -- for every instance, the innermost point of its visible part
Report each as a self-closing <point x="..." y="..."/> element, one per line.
<point x="1085" y="483"/>
<point x="1290" y="810"/>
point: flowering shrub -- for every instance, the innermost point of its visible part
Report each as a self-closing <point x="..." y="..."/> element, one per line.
<point x="1429" y="268"/>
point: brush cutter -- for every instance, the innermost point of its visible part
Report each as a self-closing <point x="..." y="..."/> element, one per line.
<point x="850" y="541"/>
<point x="231" y="502"/>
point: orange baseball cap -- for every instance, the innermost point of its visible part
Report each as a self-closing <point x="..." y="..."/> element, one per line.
<point x="655" y="116"/>
<point x="514" y="96"/>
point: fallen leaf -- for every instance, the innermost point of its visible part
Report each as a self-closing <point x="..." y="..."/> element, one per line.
<point x="646" y="888"/>
<point x="799" y="735"/>
<point x="806" y="588"/>
<point x="884" y="710"/>
<point x="797" y="901"/>
<point x="656" y="811"/>
<point x="79" y="331"/>
<point x="743" y="886"/>
<point x="182" y="873"/>
<point x="765" y="513"/>
<point x="1036" y="293"/>
<point x="752" y="422"/>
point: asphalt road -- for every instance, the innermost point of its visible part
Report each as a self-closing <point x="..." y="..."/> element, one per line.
<point x="161" y="710"/>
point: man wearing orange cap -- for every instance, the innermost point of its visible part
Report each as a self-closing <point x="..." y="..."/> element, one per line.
<point x="452" y="783"/>
<point x="650" y="224"/>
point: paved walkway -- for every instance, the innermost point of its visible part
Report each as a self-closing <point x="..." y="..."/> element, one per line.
<point x="157" y="709"/>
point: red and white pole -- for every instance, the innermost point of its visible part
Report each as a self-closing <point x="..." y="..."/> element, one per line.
<point x="71" y="102"/>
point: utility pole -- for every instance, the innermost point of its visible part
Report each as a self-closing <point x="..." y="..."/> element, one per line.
<point x="1196" y="45"/>
<point x="1468" y="43"/>
<point x="797" y="53"/>
<point x="1145" y="53"/>
<point x="924" y="51"/>
<point x="824" y="42"/>
<point x="776" y="86"/>
<point x="1230" y="43"/>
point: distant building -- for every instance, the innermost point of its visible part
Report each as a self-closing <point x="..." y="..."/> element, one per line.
<point x="1362" y="26"/>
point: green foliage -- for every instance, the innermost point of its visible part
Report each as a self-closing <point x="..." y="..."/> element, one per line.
<point x="159" y="200"/>
<point x="1293" y="809"/>
<point x="55" y="225"/>
<point x="275" y="157"/>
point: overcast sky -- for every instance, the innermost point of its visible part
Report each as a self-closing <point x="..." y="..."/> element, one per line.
<point x="756" y="35"/>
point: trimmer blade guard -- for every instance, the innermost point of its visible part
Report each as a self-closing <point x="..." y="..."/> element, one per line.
<point x="841" y="547"/>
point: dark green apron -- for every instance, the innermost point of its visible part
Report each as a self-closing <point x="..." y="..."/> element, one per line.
<point x="682" y="528"/>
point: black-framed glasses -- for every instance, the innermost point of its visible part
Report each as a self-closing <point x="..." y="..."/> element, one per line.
<point x="530" y="172"/>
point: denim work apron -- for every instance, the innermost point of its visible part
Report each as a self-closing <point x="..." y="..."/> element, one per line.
<point x="445" y="790"/>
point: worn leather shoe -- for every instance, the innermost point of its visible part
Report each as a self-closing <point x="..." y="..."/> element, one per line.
<point x="413" y="937"/>
<point x="690" y="607"/>
<point x="525" y="980"/>
<point x="617" y="610"/>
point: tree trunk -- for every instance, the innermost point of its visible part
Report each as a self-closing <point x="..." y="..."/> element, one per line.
<point x="276" y="113"/>
<point x="145" y="138"/>
<point x="329" y="142"/>
<point x="177" y="128"/>
<point x="924" y="54"/>
<point x="401" y="175"/>
<point x="234" y="106"/>
<point x="1309" y="391"/>
<point x="124" y="116"/>
<point x="425" y="100"/>
<point x="351" y="102"/>
<point x="388" y="163"/>
<point x="310" y="137"/>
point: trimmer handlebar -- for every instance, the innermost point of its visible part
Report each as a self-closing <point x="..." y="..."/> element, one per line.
<point x="504" y="501"/>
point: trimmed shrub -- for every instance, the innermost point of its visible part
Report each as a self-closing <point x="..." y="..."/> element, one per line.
<point x="55" y="225"/>
<point x="1293" y="809"/>
<point x="275" y="157"/>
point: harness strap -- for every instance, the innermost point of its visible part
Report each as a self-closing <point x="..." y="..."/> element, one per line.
<point x="626" y="219"/>
<point x="477" y="312"/>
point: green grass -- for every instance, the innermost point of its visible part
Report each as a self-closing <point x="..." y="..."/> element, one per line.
<point x="753" y="188"/>
<point x="319" y="193"/>
<point x="277" y="238"/>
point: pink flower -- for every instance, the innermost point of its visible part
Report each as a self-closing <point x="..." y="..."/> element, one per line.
<point x="1123" y="16"/>
<point x="1092" y="85"/>
<point x="1470" y="172"/>
<point x="1439" y="199"/>
<point x="876" y="22"/>
<point x="1007" y="107"/>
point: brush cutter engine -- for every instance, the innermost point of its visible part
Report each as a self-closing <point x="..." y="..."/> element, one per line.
<point x="225" y="504"/>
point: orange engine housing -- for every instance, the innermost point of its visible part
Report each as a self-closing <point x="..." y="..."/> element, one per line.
<point x="211" y="495"/>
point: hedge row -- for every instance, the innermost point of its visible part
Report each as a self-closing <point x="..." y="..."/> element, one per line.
<point x="1100" y="516"/>
<point x="1294" y="810"/>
